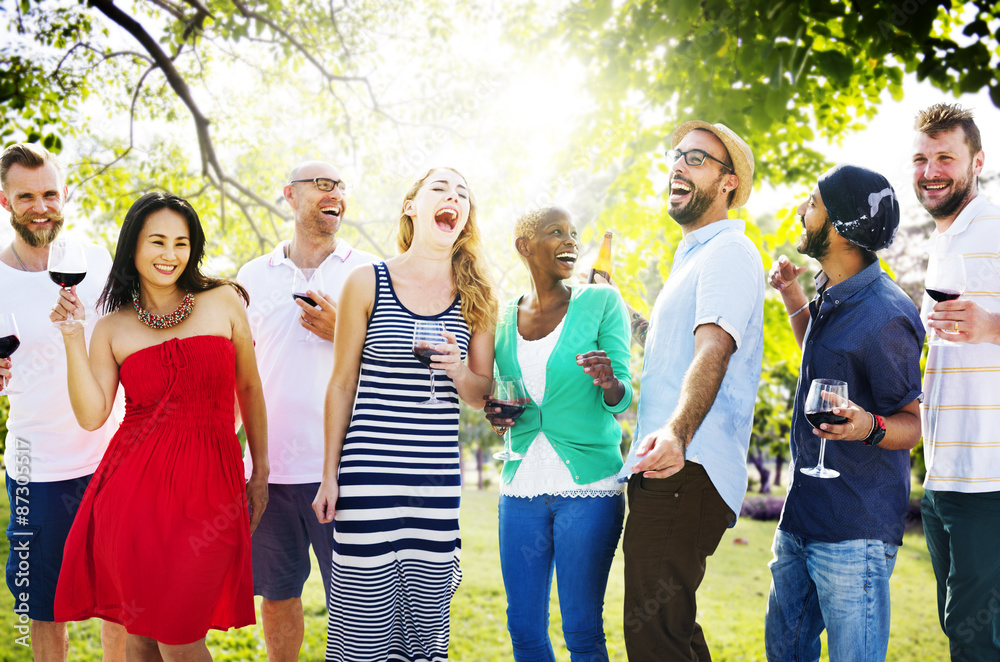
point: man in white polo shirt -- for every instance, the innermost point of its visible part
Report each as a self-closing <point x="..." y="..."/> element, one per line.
<point x="294" y="347"/>
<point x="961" y="408"/>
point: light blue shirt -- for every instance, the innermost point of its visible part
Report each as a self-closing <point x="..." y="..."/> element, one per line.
<point x="717" y="278"/>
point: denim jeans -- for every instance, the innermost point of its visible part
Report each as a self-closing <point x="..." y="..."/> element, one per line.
<point x="962" y="531"/>
<point x="577" y="536"/>
<point x="842" y="587"/>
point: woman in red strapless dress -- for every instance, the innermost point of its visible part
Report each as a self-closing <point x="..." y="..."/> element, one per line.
<point x="161" y="543"/>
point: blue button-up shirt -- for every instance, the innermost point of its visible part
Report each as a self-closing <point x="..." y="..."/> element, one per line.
<point x="717" y="277"/>
<point x="866" y="333"/>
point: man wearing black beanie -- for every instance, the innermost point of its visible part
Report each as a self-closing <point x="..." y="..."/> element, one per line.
<point x="836" y="543"/>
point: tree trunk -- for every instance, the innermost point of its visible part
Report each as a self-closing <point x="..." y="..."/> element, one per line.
<point x="479" y="463"/>
<point x="779" y="462"/>
<point x="758" y="461"/>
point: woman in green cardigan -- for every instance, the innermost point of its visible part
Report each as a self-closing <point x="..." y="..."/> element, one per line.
<point x="561" y="505"/>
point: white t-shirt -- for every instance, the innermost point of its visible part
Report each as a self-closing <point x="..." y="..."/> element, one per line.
<point x="294" y="372"/>
<point x="961" y="407"/>
<point x="41" y="417"/>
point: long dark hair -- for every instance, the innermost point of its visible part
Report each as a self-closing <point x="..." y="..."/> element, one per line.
<point x="124" y="277"/>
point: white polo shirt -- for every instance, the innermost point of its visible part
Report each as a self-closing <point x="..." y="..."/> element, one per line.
<point x="961" y="408"/>
<point x="41" y="420"/>
<point x="294" y="373"/>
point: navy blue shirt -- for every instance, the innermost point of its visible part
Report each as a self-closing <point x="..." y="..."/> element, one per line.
<point x="867" y="333"/>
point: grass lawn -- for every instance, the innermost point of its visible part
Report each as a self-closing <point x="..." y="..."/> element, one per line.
<point x="731" y="602"/>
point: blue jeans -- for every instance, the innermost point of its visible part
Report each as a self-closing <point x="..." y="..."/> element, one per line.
<point x="843" y="587"/>
<point x="578" y="535"/>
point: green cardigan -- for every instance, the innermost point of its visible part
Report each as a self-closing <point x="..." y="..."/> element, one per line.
<point x="574" y="417"/>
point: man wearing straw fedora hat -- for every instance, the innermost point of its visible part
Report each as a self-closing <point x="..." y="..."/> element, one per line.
<point x="687" y="471"/>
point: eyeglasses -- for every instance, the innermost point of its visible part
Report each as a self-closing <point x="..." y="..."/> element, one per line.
<point x="323" y="183"/>
<point x="695" y="157"/>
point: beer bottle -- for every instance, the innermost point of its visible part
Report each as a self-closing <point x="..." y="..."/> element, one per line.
<point x="602" y="265"/>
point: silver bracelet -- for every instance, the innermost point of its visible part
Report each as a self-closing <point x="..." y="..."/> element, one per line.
<point x="791" y="315"/>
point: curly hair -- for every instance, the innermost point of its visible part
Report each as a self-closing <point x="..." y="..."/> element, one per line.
<point x="472" y="279"/>
<point x="943" y="117"/>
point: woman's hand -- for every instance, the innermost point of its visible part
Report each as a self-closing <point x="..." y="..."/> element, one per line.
<point x="597" y="364"/>
<point x="256" y="497"/>
<point x="499" y="425"/>
<point x="68" y="303"/>
<point x="449" y="356"/>
<point x="325" y="503"/>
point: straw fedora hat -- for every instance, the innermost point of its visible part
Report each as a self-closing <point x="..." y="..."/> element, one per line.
<point x="739" y="152"/>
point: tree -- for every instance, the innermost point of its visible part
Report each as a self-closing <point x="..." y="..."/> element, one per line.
<point x="781" y="73"/>
<point x="235" y="79"/>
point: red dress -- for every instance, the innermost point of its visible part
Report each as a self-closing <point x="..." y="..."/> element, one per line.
<point x="161" y="543"/>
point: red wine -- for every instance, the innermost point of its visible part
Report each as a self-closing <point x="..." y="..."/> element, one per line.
<point x="509" y="410"/>
<point x="817" y="418"/>
<point x="424" y="355"/>
<point x="8" y="344"/>
<point x="305" y="298"/>
<point x="943" y="295"/>
<point x="67" y="279"/>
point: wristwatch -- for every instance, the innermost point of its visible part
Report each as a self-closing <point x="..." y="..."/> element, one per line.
<point x="877" y="434"/>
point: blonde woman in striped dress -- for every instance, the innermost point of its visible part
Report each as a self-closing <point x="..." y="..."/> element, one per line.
<point x="391" y="481"/>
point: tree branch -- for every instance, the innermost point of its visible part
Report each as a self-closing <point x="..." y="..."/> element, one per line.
<point x="175" y="80"/>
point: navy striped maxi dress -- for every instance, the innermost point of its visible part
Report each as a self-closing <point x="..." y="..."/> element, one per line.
<point x="396" y="542"/>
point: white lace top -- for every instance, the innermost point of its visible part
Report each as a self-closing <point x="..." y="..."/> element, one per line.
<point x="542" y="471"/>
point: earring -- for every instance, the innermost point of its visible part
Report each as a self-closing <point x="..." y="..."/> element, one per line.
<point x="724" y="189"/>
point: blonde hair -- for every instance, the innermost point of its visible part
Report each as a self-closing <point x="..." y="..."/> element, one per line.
<point x="942" y="117"/>
<point x="472" y="280"/>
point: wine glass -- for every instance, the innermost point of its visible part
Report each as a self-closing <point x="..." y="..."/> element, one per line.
<point x="304" y="280"/>
<point x="426" y="334"/>
<point x="945" y="281"/>
<point x="824" y="396"/>
<point x="67" y="267"/>
<point x="509" y="395"/>
<point x="8" y="343"/>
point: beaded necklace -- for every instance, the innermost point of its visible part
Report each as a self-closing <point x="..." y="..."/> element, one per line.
<point x="164" y="321"/>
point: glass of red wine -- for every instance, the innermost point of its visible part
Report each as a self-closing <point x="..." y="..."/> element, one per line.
<point x="945" y="281"/>
<point x="509" y="395"/>
<point x="304" y="280"/>
<point x="427" y="334"/>
<point x="9" y="342"/>
<point x="67" y="267"/>
<point x="824" y="396"/>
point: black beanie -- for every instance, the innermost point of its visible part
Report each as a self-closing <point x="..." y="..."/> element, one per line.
<point x="861" y="204"/>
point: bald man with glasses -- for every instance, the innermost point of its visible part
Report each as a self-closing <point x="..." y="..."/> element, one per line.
<point x="294" y="346"/>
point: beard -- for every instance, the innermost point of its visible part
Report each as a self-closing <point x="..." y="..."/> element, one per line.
<point x="39" y="239"/>
<point x="698" y="204"/>
<point x="816" y="244"/>
<point x="948" y="206"/>
<point x="323" y="224"/>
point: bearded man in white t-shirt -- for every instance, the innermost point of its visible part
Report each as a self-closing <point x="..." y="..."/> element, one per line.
<point x="293" y="338"/>
<point x="49" y="457"/>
